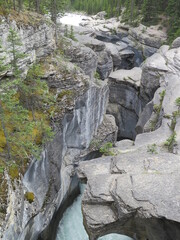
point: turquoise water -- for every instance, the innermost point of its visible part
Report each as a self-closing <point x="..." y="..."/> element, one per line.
<point x="71" y="226"/>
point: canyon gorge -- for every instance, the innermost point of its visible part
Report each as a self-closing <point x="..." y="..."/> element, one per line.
<point x="113" y="83"/>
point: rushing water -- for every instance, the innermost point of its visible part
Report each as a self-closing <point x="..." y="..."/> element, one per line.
<point x="72" y="19"/>
<point x="71" y="226"/>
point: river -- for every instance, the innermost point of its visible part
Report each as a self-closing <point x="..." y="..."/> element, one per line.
<point x="72" y="19"/>
<point x="71" y="226"/>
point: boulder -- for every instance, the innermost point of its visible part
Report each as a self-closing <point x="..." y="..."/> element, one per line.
<point x="100" y="35"/>
<point x="154" y="69"/>
<point x="90" y="42"/>
<point x="132" y="76"/>
<point x="176" y="43"/>
<point x="114" y="51"/>
<point x="101" y="15"/>
<point x="104" y="64"/>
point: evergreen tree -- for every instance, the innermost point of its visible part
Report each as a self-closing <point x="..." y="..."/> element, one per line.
<point x="15" y="42"/>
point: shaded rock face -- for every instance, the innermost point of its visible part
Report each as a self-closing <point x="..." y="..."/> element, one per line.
<point x="125" y="102"/>
<point x="138" y="190"/>
<point x="51" y="179"/>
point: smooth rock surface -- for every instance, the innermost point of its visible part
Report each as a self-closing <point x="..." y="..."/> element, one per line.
<point x="132" y="76"/>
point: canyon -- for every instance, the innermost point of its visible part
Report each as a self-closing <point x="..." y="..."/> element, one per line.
<point x="125" y="86"/>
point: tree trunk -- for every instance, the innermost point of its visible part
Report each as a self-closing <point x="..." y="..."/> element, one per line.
<point x="14" y="4"/>
<point x="132" y="10"/>
<point x="54" y="16"/>
<point x="54" y="11"/>
<point x="20" y="4"/>
<point x="38" y="6"/>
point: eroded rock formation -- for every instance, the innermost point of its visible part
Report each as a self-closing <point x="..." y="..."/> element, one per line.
<point x="138" y="190"/>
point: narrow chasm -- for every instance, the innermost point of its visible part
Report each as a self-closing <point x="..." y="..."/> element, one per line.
<point x="71" y="225"/>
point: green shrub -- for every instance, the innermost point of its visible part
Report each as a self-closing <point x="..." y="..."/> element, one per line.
<point x="171" y="142"/>
<point x="152" y="148"/>
<point x="29" y="196"/>
<point x="105" y="149"/>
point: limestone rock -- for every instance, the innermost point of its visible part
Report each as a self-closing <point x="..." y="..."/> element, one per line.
<point x="132" y="202"/>
<point x="151" y="36"/>
<point x="176" y="43"/>
<point x="124" y="100"/>
<point x="101" y="15"/>
<point x="92" y="43"/>
<point x="131" y="76"/>
<point x="37" y="41"/>
<point x="105" y="64"/>
<point x="81" y="55"/>
<point x="113" y="49"/>
<point x="76" y="124"/>
<point x="141" y="193"/>
<point x="156" y="67"/>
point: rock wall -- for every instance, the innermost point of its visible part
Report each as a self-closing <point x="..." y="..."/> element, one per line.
<point x="52" y="179"/>
<point x="37" y="38"/>
<point x="140" y="194"/>
<point x="125" y="102"/>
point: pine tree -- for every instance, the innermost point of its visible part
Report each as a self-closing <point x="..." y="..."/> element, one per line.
<point x="71" y="35"/>
<point x="15" y="42"/>
<point x="66" y="32"/>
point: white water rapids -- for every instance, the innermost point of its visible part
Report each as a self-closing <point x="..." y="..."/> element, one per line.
<point x="72" y="19"/>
